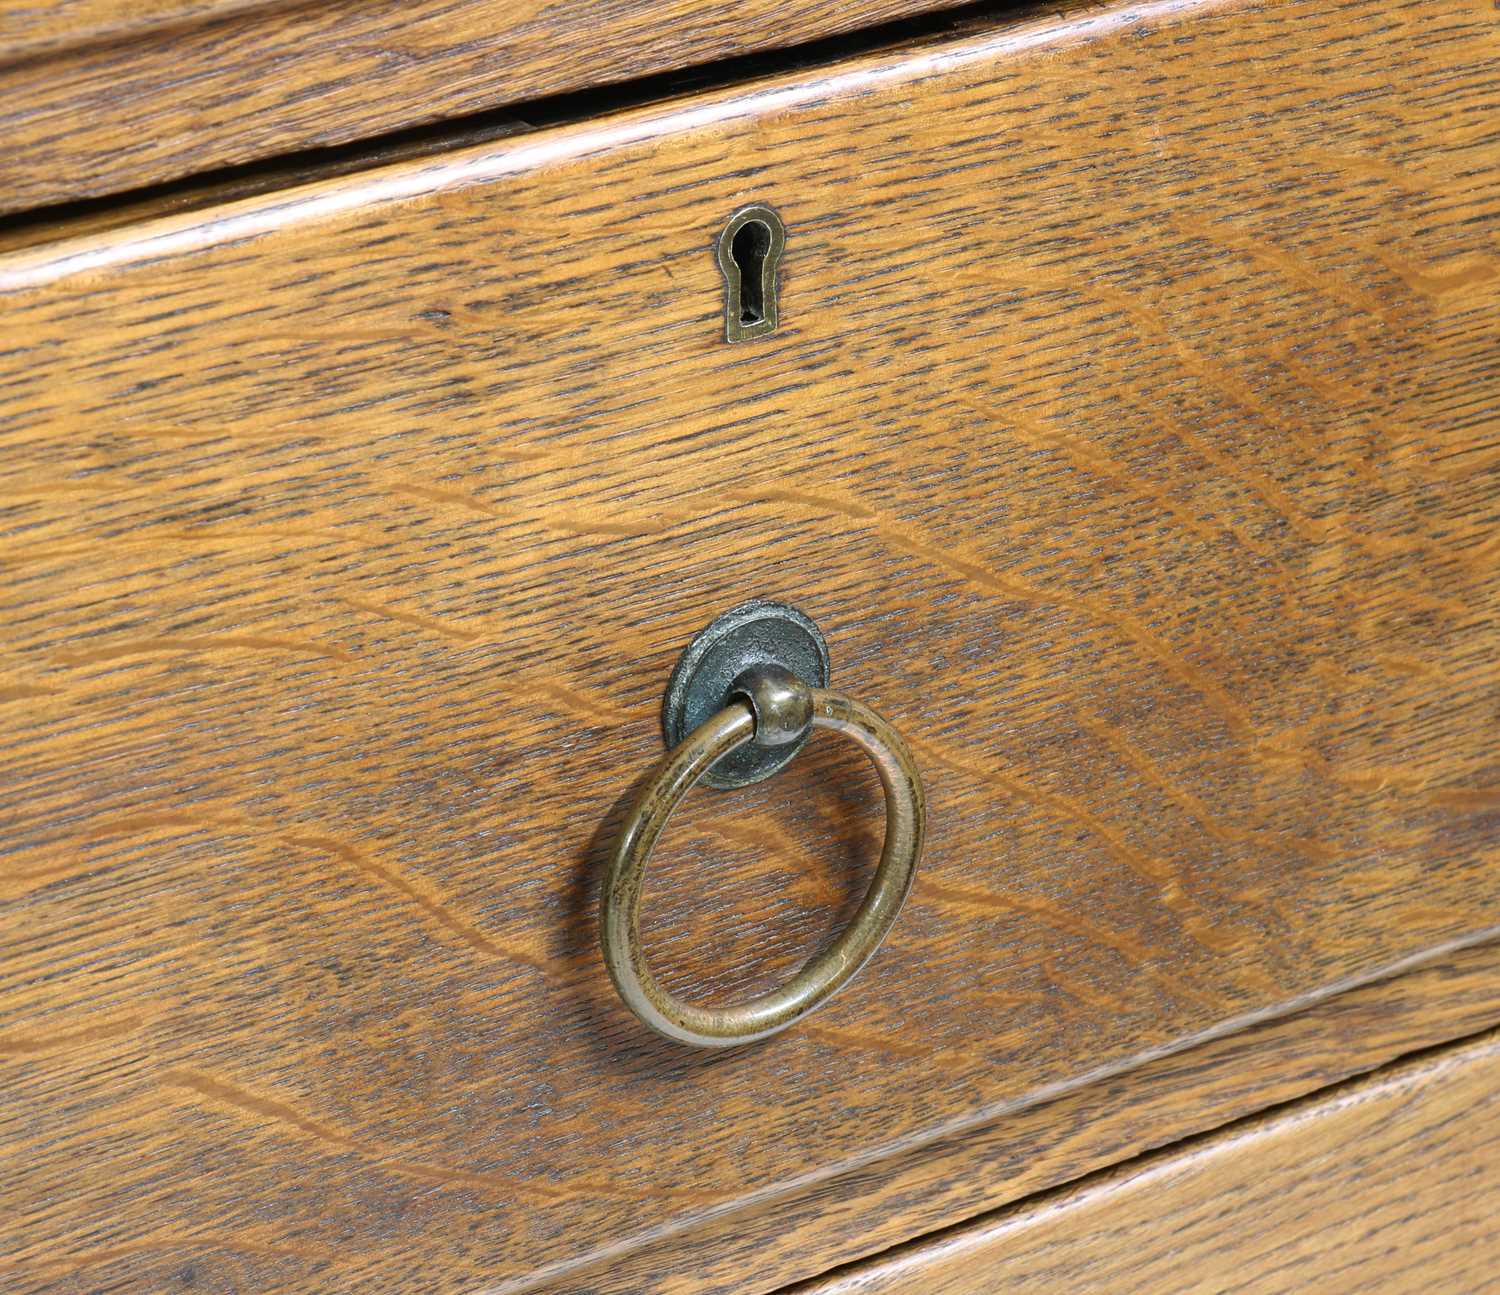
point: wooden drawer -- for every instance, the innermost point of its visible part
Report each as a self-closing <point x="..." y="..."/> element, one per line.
<point x="1130" y="432"/>
<point x="103" y="96"/>
<point x="1390" y="1184"/>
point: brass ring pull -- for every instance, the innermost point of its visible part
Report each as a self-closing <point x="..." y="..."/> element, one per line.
<point x="771" y="707"/>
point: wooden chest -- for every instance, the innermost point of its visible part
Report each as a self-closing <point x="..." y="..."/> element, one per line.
<point x="1120" y="402"/>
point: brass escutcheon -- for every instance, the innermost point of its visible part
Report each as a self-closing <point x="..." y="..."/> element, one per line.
<point x="749" y="252"/>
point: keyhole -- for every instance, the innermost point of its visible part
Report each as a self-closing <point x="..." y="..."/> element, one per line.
<point x="749" y="249"/>
<point x="751" y="243"/>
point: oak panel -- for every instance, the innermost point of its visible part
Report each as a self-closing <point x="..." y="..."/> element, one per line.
<point x="1135" y="450"/>
<point x="100" y="96"/>
<point x="1391" y="1184"/>
<point x="916" y="1190"/>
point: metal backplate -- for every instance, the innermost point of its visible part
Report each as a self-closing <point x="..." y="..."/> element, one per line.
<point x="758" y="632"/>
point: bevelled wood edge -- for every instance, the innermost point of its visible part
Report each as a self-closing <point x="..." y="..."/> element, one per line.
<point x="33" y="256"/>
<point x="99" y="97"/>
<point x="869" y="1208"/>
<point x="1386" y="1182"/>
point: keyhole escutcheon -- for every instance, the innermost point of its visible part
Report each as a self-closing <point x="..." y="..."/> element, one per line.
<point x="749" y="253"/>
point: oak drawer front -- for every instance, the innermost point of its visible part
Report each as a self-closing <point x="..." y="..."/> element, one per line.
<point x="1390" y="1183"/>
<point x="1133" y="450"/>
<point x="107" y="96"/>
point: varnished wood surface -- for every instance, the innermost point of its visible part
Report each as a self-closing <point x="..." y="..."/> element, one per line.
<point x="1391" y="1184"/>
<point x="1135" y="451"/>
<point x="100" y="96"/>
<point x="922" y="1189"/>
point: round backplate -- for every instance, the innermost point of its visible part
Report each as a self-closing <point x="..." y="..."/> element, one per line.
<point x="758" y="632"/>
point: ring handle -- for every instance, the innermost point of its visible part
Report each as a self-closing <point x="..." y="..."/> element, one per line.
<point x="771" y="707"/>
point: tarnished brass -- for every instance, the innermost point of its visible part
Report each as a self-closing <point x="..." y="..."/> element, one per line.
<point x="782" y="701"/>
<point x="749" y="252"/>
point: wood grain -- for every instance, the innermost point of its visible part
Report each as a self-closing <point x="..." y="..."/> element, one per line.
<point x="1136" y="451"/>
<point x="912" y="1191"/>
<point x="100" y="96"/>
<point x="1391" y="1184"/>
